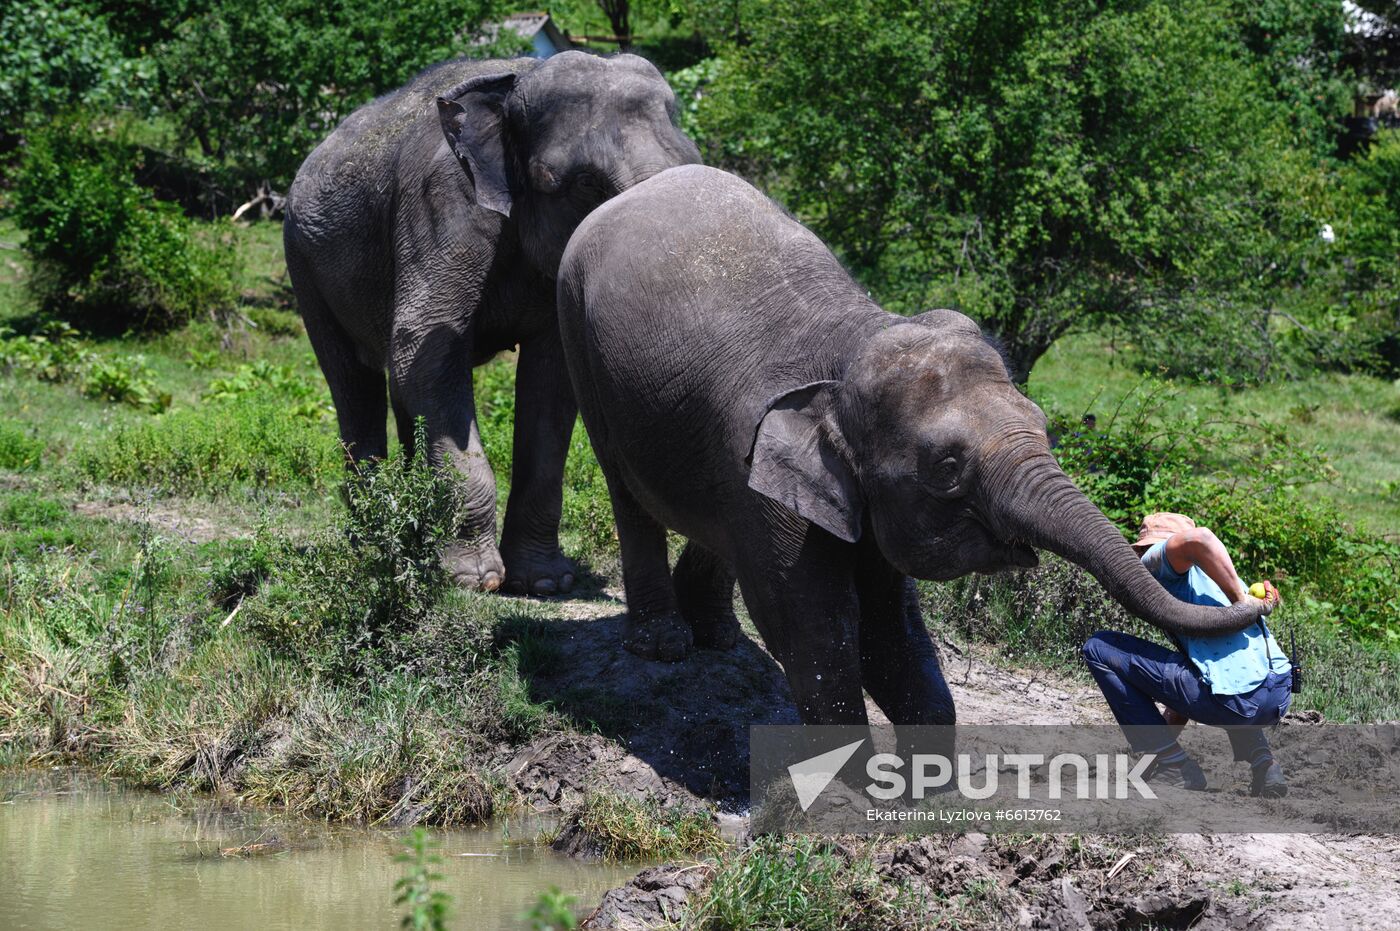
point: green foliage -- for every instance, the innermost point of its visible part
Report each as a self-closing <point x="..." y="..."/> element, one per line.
<point x="56" y="354"/>
<point x="426" y="907"/>
<point x="213" y="450"/>
<point x="20" y="449"/>
<point x="264" y="381"/>
<point x="105" y="252"/>
<point x="1298" y="45"/>
<point x="352" y="603"/>
<point x="800" y="882"/>
<point x="1041" y="165"/>
<point x="258" y="83"/>
<point x="1244" y="482"/>
<point x="1367" y="207"/>
<point x="239" y="573"/>
<point x="125" y="380"/>
<point x="552" y="911"/>
<point x="54" y="56"/>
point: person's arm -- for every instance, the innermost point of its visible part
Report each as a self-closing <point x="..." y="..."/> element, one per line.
<point x="1200" y="547"/>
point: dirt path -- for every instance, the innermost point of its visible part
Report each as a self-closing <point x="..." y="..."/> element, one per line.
<point x="679" y="731"/>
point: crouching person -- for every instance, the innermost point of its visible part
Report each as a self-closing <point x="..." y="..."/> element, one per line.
<point x="1242" y="678"/>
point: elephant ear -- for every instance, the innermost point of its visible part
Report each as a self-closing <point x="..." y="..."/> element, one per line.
<point x="473" y="117"/>
<point x="794" y="462"/>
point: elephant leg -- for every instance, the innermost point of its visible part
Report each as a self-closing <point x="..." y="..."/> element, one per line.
<point x="544" y="420"/>
<point x="805" y="607"/>
<point x="899" y="663"/>
<point x="435" y="383"/>
<point x="357" y="389"/>
<point x="655" y="628"/>
<point x="704" y="588"/>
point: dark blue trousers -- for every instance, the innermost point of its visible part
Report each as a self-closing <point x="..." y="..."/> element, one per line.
<point x="1135" y="674"/>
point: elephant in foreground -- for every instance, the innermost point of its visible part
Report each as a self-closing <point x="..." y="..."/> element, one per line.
<point x="740" y="389"/>
<point x="423" y="237"/>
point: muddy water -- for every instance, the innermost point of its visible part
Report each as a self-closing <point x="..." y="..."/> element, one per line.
<point x="78" y="853"/>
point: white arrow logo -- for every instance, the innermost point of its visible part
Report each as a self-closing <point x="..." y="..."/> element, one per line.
<point x="813" y="775"/>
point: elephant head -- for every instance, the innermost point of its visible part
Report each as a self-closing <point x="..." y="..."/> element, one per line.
<point x="547" y="145"/>
<point x="926" y="444"/>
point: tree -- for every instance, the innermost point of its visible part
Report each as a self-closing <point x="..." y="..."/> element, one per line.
<point x="257" y="83"/>
<point x="53" y="57"/>
<point x="1041" y="165"/>
<point x="619" y="17"/>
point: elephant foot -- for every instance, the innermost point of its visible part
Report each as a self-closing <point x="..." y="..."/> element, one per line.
<point x="666" y="638"/>
<point x="533" y="574"/>
<point x="715" y="630"/>
<point x="474" y="566"/>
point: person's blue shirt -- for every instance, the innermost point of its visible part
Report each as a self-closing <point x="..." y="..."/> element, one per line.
<point x="1232" y="664"/>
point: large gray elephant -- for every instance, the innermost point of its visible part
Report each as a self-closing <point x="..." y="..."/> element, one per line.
<point x="740" y="389"/>
<point x="423" y="237"/>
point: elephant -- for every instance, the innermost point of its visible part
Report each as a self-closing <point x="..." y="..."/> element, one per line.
<point x="740" y="389"/>
<point x="423" y="237"/>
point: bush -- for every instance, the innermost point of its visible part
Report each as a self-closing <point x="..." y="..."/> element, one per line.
<point x="350" y="602"/>
<point x="106" y="254"/>
<point x="264" y="381"/>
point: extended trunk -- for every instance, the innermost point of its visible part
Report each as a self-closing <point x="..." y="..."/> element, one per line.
<point x="1040" y="506"/>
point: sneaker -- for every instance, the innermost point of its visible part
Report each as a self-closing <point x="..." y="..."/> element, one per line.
<point x="1182" y="774"/>
<point x="1268" y="782"/>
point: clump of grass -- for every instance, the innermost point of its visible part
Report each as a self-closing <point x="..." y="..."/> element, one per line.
<point x="211" y="449"/>
<point x="20" y="449"/>
<point x="801" y="882"/>
<point x="621" y="828"/>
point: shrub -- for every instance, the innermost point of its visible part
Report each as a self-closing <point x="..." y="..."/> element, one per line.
<point x="106" y="254"/>
<point x="124" y="380"/>
<point x="351" y="601"/>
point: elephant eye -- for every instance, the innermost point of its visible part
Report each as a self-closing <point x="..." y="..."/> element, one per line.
<point x="942" y="476"/>
<point x="588" y="183"/>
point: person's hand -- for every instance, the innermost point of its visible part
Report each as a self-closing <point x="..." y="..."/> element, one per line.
<point x="1271" y="598"/>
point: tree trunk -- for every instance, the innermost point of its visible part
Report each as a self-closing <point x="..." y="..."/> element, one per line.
<point x="619" y="14"/>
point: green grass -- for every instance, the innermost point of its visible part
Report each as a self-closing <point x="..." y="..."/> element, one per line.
<point x="1354" y="417"/>
<point x="627" y="829"/>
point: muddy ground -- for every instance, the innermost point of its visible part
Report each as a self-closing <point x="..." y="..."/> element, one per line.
<point x="678" y="732"/>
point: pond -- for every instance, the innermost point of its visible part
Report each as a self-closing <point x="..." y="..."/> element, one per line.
<point x="79" y="852"/>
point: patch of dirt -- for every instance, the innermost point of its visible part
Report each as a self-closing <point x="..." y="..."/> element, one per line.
<point x="684" y="725"/>
<point x="184" y="520"/>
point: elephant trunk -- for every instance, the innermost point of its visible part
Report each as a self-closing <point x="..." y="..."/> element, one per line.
<point x="1039" y="505"/>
